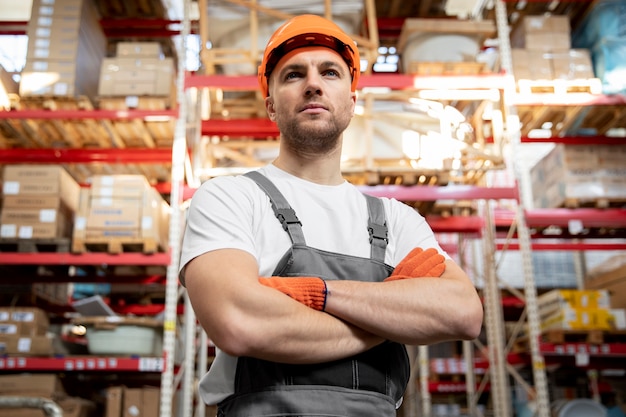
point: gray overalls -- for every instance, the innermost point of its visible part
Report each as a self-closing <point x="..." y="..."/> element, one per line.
<point x="367" y="384"/>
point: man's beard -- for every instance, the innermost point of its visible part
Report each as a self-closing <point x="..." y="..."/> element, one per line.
<point x="311" y="138"/>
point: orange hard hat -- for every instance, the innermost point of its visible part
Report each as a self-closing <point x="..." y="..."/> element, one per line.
<point x="308" y="30"/>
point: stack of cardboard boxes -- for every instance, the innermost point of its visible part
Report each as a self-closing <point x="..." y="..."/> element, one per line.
<point x="38" y="202"/>
<point x="576" y="175"/>
<point x="42" y="386"/>
<point x="66" y="45"/>
<point x="610" y="276"/>
<point x="138" y="69"/>
<point x="542" y="50"/>
<point x="571" y="309"/>
<point x="24" y="332"/>
<point x="118" y="210"/>
<point x="122" y="401"/>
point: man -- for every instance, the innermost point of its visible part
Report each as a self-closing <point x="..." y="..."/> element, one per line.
<point x="310" y="318"/>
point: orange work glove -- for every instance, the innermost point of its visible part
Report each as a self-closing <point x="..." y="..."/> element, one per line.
<point x="419" y="263"/>
<point x="310" y="291"/>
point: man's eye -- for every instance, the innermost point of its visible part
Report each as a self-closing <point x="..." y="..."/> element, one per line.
<point x="292" y="75"/>
<point x="332" y="73"/>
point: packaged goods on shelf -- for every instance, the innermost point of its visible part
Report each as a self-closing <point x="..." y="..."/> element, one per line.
<point x="30" y="384"/>
<point x="129" y="76"/>
<point x="138" y="69"/>
<point x="578" y="175"/>
<point x="138" y="49"/>
<point x="606" y="18"/>
<point x="567" y="318"/>
<point x="545" y="33"/>
<point x="609" y="61"/>
<point x="442" y="41"/>
<point x="26" y="321"/>
<point x="65" y="47"/>
<point x="32" y="181"/>
<point x="39" y="201"/>
<point x="568" y="64"/>
<point x="118" y="335"/>
<point x="559" y="299"/>
<point x="610" y="276"/>
<point x="122" y="401"/>
<point x="122" y="207"/>
<point x="24" y="331"/>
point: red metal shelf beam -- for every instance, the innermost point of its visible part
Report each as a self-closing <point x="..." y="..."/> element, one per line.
<point x="87" y="114"/>
<point x="433" y="193"/>
<point x="388" y="81"/>
<point x="259" y="128"/>
<point x="565" y="246"/>
<point x="93" y="258"/>
<point x="589" y="217"/>
<point x="578" y="140"/>
<point x="84" y="364"/>
<point x="569" y="99"/>
<point x="63" y="156"/>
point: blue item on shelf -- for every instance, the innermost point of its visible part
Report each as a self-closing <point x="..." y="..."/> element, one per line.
<point x="82" y="290"/>
<point x="606" y="18"/>
<point x="609" y="64"/>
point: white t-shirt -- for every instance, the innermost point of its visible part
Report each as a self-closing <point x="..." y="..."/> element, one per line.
<point x="233" y="212"/>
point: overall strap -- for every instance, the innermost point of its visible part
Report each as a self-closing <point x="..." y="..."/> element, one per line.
<point x="283" y="211"/>
<point x="377" y="228"/>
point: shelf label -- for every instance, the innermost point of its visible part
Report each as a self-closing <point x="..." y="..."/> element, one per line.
<point x="151" y="364"/>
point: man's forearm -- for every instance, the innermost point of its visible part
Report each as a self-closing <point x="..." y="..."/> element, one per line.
<point x="412" y="311"/>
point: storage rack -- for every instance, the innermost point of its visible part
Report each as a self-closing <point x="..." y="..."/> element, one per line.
<point x="611" y="218"/>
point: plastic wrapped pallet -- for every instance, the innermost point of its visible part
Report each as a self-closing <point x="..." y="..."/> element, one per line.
<point x="609" y="62"/>
<point x="607" y="18"/>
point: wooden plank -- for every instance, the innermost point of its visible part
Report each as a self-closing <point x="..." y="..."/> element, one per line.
<point x="584" y="85"/>
<point x="115" y="245"/>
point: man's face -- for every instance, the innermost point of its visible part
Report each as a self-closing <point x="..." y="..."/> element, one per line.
<point x="310" y="99"/>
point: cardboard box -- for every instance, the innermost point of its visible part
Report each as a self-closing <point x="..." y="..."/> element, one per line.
<point x="113" y="404"/>
<point x="132" y="402"/>
<point x="118" y="186"/>
<point x="610" y="276"/>
<point x="579" y="319"/>
<point x="26" y="345"/>
<point x="34" y="224"/>
<point x="70" y="407"/>
<point x="117" y="212"/>
<point x="29" y="321"/>
<point x="572" y="172"/>
<point x="138" y="49"/>
<point x="32" y="201"/>
<point x="40" y="385"/>
<point x="141" y="402"/>
<point x="41" y="180"/>
<point x="561" y="299"/>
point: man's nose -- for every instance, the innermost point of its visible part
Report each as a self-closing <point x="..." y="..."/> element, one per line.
<point x="313" y="85"/>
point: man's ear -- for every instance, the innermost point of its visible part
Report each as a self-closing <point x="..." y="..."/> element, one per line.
<point x="269" y="107"/>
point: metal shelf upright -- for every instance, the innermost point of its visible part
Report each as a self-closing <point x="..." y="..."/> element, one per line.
<point x="512" y="129"/>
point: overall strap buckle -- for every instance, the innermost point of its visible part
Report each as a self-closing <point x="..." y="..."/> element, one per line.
<point x="287" y="216"/>
<point x="377" y="231"/>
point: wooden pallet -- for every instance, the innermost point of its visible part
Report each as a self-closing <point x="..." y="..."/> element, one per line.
<point x="115" y="245"/>
<point x="558" y="336"/>
<point x="446" y="68"/>
<point x="583" y="336"/>
<point x="599" y="202"/>
<point x="584" y="85"/>
<point x="56" y="245"/>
